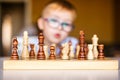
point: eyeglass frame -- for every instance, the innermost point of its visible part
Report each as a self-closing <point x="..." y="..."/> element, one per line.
<point x="59" y="23"/>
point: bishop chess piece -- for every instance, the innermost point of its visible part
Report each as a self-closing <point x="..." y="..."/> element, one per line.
<point x="32" y="52"/>
<point x="25" y="52"/>
<point x="95" y="44"/>
<point x="41" y="54"/>
<point x="52" y="53"/>
<point x="71" y="52"/>
<point x="14" y="55"/>
<point x="101" y="53"/>
<point x="81" y="55"/>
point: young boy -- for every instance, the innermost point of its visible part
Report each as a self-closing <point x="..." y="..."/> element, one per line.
<point x="56" y="22"/>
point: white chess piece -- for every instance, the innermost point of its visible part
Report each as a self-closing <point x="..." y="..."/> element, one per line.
<point x="25" y="53"/>
<point x="77" y="50"/>
<point x="90" y="54"/>
<point x="95" y="44"/>
<point x="65" y="51"/>
<point x="71" y="52"/>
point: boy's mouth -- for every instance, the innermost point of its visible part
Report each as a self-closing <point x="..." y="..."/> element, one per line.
<point x="57" y="35"/>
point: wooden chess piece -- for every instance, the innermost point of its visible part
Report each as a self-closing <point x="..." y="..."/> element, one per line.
<point x="65" y="52"/>
<point x="81" y="55"/>
<point x="32" y="52"/>
<point x="101" y="53"/>
<point x="52" y="53"/>
<point x="86" y="49"/>
<point x="90" y="54"/>
<point x="25" y="52"/>
<point x="95" y="44"/>
<point x="14" y="55"/>
<point x="41" y="54"/>
<point x="77" y="50"/>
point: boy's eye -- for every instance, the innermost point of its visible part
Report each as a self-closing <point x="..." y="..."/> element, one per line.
<point x="53" y="20"/>
<point x="65" y="24"/>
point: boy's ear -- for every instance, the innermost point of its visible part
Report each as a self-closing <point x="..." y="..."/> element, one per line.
<point x="40" y="23"/>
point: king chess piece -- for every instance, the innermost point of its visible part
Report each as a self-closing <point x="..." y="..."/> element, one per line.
<point x="41" y="54"/>
<point x="14" y="55"/>
<point x="32" y="52"/>
<point x="81" y="55"/>
<point x="52" y="53"/>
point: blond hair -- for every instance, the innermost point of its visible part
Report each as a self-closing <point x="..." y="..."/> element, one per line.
<point x="61" y="5"/>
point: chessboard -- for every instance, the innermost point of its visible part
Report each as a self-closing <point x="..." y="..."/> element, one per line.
<point x="87" y="56"/>
<point x="73" y="64"/>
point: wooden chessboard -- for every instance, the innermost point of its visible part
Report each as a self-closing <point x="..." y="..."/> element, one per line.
<point x="105" y="64"/>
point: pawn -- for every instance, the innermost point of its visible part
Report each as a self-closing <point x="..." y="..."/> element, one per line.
<point x="14" y="55"/>
<point x="32" y="52"/>
<point x="101" y="53"/>
<point x="52" y="54"/>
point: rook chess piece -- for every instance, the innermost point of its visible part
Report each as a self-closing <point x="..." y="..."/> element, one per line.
<point x="14" y="55"/>
<point x="90" y="54"/>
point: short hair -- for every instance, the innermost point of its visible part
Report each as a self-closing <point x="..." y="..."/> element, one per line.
<point x="62" y="4"/>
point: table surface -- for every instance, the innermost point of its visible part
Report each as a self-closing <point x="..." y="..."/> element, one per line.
<point x="58" y="74"/>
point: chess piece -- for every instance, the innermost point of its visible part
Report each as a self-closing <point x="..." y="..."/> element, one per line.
<point x="81" y="55"/>
<point x="65" y="51"/>
<point x="32" y="52"/>
<point x="101" y="53"/>
<point x="14" y="55"/>
<point x="86" y="48"/>
<point x="52" y="53"/>
<point x="71" y="53"/>
<point x="90" y="54"/>
<point x="25" y="52"/>
<point x="46" y="51"/>
<point x="41" y="54"/>
<point x="77" y="50"/>
<point x="95" y="44"/>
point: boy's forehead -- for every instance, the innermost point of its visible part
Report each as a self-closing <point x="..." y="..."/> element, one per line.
<point x="53" y="8"/>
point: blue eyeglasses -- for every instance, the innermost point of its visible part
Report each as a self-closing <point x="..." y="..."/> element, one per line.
<point x="54" y="23"/>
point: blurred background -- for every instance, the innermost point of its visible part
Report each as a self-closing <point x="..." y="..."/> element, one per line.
<point x="101" y="17"/>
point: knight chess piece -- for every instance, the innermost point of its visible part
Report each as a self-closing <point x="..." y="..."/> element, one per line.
<point x="101" y="53"/>
<point x="52" y="53"/>
<point x="32" y="52"/>
<point x="41" y="54"/>
<point x="14" y="55"/>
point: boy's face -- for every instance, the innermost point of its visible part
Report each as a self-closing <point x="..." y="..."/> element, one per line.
<point x="56" y="25"/>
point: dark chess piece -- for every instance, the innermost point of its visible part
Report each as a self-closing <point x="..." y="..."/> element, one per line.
<point x="101" y="53"/>
<point x="52" y="53"/>
<point x="32" y="52"/>
<point x="14" y="55"/>
<point x="86" y="49"/>
<point x="41" y="54"/>
<point x="81" y="55"/>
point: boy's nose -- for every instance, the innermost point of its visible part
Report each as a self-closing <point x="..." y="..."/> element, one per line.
<point x="60" y="27"/>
